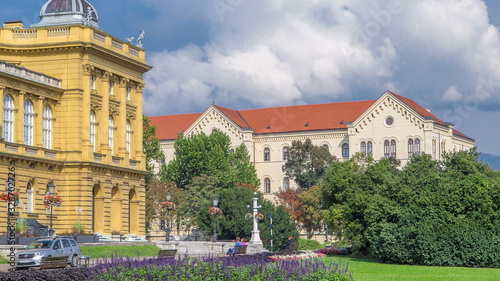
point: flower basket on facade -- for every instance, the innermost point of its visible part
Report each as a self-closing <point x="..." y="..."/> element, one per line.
<point x="52" y="200"/>
<point x="258" y="216"/>
<point x="215" y="211"/>
<point x="169" y="205"/>
<point x="7" y="197"/>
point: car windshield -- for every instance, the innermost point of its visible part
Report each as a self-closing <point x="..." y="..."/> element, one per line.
<point x="40" y="244"/>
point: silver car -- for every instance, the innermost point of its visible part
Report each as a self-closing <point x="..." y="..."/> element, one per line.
<point x="59" y="246"/>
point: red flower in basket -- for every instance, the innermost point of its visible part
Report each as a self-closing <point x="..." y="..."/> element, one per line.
<point x="7" y="197"/>
<point x="215" y="211"/>
<point x="169" y="205"/>
<point x="52" y="200"/>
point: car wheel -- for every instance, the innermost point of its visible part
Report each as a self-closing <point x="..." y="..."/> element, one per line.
<point x="74" y="261"/>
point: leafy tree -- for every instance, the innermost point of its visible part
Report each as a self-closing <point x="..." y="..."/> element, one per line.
<point x="151" y="147"/>
<point x="233" y="202"/>
<point x="200" y="154"/>
<point x="307" y="163"/>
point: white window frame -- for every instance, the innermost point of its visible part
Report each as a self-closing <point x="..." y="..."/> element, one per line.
<point x="47" y="127"/>
<point x="128" y="135"/>
<point x="111" y="132"/>
<point x="8" y="118"/>
<point x="28" y="123"/>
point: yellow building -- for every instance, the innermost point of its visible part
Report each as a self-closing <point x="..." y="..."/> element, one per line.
<point x="72" y="117"/>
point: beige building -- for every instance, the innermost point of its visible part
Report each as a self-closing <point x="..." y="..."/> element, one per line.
<point x="391" y="126"/>
<point x="72" y="118"/>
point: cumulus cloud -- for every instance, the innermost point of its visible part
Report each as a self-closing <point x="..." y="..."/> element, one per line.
<point x="272" y="53"/>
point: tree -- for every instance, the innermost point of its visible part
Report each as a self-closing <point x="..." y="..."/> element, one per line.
<point x="151" y="147"/>
<point x="200" y="154"/>
<point x="307" y="163"/>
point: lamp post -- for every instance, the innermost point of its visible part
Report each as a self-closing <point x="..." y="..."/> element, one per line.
<point x="255" y="240"/>
<point x="216" y="202"/>
<point x="167" y="227"/>
<point x="51" y="188"/>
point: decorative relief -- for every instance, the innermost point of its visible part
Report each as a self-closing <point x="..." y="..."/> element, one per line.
<point x="96" y="103"/>
<point x="87" y="69"/>
<point x="114" y="108"/>
<point x="131" y="113"/>
<point x="106" y="75"/>
<point x="124" y="82"/>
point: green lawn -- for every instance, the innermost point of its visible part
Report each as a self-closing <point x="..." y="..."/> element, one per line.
<point x="366" y="269"/>
<point x="119" y="251"/>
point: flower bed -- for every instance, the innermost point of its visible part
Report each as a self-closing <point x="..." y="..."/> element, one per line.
<point x="247" y="267"/>
<point x="297" y="256"/>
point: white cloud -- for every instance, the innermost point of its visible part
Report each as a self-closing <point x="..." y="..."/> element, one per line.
<point x="452" y="94"/>
<point x="275" y="52"/>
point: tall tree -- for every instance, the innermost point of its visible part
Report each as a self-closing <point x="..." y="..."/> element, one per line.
<point x="307" y="163"/>
<point x="210" y="155"/>
<point x="151" y="147"/>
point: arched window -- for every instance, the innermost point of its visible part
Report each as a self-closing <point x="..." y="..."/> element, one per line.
<point x="110" y="132"/>
<point x="410" y="148"/>
<point x="417" y="146"/>
<point x="393" y="148"/>
<point x="285" y="153"/>
<point x="28" y="123"/>
<point x="286" y="184"/>
<point x="443" y="147"/>
<point x="386" y="149"/>
<point x="326" y="146"/>
<point x="30" y="194"/>
<point x="8" y="118"/>
<point x="363" y="147"/>
<point x="267" y="154"/>
<point x="345" y="150"/>
<point x="93" y="128"/>
<point x="267" y="185"/>
<point x="128" y="135"/>
<point x="369" y="149"/>
<point x="47" y="127"/>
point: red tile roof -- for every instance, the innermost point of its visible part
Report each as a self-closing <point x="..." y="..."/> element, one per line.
<point x="327" y="116"/>
<point x="169" y="126"/>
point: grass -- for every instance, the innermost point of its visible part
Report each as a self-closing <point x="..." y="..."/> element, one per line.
<point x="119" y="251"/>
<point x="366" y="269"/>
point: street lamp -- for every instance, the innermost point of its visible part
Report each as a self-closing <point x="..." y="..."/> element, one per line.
<point x="52" y="189"/>
<point x="167" y="228"/>
<point x="216" y="202"/>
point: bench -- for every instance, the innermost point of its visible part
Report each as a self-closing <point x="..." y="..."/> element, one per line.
<point x="294" y="246"/>
<point x="54" y="262"/>
<point x="167" y="254"/>
<point x="240" y="250"/>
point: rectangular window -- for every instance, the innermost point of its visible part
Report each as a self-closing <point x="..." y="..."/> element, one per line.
<point x="92" y="82"/>
<point x="111" y="85"/>
<point x="128" y="92"/>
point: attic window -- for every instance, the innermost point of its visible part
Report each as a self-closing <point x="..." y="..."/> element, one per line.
<point x="307" y="124"/>
<point x="342" y="122"/>
<point x="269" y="127"/>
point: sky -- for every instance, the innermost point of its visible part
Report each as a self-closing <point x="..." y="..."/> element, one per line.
<point x="243" y="54"/>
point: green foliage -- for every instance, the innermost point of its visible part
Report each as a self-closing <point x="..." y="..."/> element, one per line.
<point x="308" y="244"/>
<point x="307" y="163"/>
<point x="200" y="154"/>
<point x="430" y="212"/>
<point x="151" y="147"/>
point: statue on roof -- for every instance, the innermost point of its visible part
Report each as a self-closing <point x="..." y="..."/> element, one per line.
<point x="139" y="39"/>
<point x="88" y="16"/>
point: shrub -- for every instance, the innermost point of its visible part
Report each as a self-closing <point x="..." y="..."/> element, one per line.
<point x="307" y="244"/>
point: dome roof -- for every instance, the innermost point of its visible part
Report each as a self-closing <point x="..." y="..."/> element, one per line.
<point x="64" y="12"/>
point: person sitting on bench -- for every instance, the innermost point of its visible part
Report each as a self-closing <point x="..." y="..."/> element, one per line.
<point x="238" y="243"/>
<point x="288" y="244"/>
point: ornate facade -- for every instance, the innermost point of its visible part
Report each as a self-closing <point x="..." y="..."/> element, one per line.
<point x="391" y="126"/>
<point x="72" y="117"/>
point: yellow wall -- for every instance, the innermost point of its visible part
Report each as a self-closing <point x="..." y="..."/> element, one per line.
<point x="77" y="167"/>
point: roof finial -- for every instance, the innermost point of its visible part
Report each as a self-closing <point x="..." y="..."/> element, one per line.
<point x="213" y="101"/>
